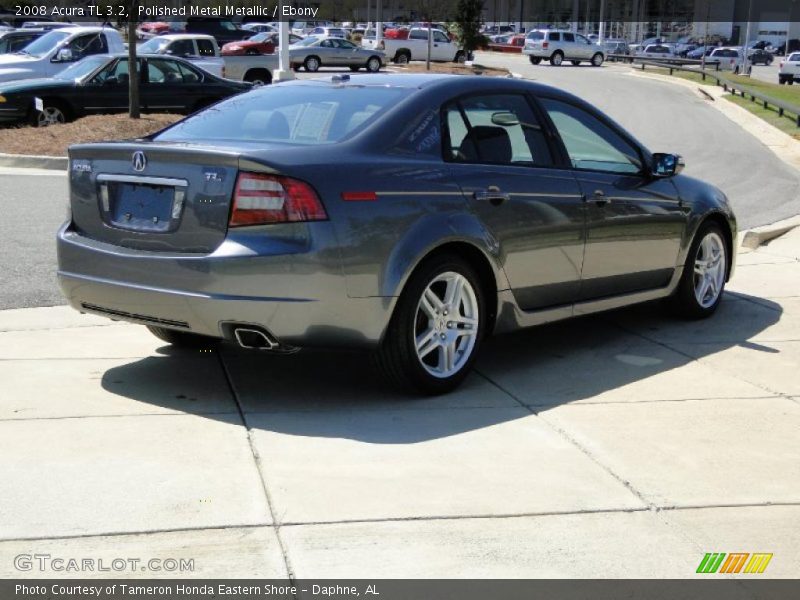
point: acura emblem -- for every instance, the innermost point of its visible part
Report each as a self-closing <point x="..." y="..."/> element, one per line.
<point x="139" y="161"/>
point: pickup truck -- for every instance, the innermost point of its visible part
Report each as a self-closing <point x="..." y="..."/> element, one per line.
<point x="790" y="69"/>
<point x="57" y="49"/>
<point x="201" y="50"/>
<point x="257" y="69"/>
<point x="415" y="47"/>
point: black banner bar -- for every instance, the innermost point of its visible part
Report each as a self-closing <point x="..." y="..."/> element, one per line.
<point x="383" y="589"/>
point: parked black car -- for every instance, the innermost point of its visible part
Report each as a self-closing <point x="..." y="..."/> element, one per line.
<point x="14" y="41"/>
<point x="761" y="57"/>
<point x="99" y="84"/>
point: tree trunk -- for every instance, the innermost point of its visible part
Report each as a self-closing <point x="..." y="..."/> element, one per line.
<point x="133" y="65"/>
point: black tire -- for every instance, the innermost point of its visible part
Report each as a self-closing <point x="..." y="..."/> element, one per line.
<point x="312" y="64"/>
<point x="535" y="60"/>
<point x="597" y="59"/>
<point x="402" y="58"/>
<point x="460" y="57"/>
<point x="182" y="339"/>
<point x="258" y="77"/>
<point x="557" y="58"/>
<point x="684" y="301"/>
<point x="790" y="82"/>
<point x="575" y="63"/>
<point x="373" y="64"/>
<point x="397" y="357"/>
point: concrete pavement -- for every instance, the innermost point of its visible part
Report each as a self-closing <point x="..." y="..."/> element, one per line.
<point x="622" y="445"/>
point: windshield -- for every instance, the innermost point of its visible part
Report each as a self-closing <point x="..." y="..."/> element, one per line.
<point x="45" y="44"/>
<point x="154" y="46"/>
<point x="81" y="68"/>
<point x="296" y="114"/>
<point x="307" y="41"/>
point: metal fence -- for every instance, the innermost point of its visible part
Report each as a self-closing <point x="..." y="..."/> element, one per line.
<point x="727" y="84"/>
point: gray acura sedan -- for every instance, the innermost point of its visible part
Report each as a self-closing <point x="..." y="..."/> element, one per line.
<point x="409" y="214"/>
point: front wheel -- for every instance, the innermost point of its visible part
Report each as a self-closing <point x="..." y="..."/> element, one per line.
<point x="53" y="113"/>
<point x="557" y="59"/>
<point x="535" y="60"/>
<point x="461" y="57"/>
<point x="703" y="280"/>
<point x="436" y="329"/>
<point x="311" y="64"/>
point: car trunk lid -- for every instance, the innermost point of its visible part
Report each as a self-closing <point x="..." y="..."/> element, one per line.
<point x="153" y="196"/>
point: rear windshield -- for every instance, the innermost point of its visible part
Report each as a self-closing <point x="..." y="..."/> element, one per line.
<point x="298" y="114"/>
<point x="795" y="57"/>
<point x="536" y="35"/>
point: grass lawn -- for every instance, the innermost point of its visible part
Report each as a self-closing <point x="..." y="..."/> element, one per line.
<point x="785" y="93"/>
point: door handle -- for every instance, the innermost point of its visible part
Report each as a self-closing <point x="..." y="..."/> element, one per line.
<point x="492" y="194"/>
<point x="599" y="198"/>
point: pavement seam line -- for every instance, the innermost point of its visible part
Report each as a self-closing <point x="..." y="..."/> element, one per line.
<point x="700" y="361"/>
<point x="627" y="484"/>
<point x="479" y="517"/>
<point x="257" y="460"/>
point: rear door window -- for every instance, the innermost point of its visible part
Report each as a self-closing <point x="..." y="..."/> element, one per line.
<point x="495" y="129"/>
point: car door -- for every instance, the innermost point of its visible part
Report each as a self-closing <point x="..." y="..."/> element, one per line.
<point x="505" y="164"/>
<point x="443" y="49"/>
<point x="163" y="89"/>
<point x="634" y="222"/>
<point x="584" y="48"/>
<point x="107" y="92"/>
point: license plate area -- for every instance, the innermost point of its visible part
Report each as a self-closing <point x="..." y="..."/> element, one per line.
<point x="144" y="204"/>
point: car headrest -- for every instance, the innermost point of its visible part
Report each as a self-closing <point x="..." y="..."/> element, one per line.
<point x="488" y="144"/>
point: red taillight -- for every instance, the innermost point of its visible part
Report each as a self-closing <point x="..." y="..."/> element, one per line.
<point x="545" y="45"/>
<point x="263" y="199"/>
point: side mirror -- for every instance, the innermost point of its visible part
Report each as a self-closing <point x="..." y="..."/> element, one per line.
<point x="667" y="165"/>
<point x="111" y="81"/>
<point x="63" y="55"/>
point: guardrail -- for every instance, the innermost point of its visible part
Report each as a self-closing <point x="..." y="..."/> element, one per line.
<point x="667" y="60"/>
<point x="733" y="87"/>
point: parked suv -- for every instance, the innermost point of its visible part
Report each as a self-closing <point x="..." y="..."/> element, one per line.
<point x="557" y="46"/>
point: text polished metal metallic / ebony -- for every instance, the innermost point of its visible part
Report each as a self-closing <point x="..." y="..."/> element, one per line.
<point x="411" y="215"/>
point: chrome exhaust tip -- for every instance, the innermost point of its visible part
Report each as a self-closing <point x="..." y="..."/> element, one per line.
<point x="254" y="339"/>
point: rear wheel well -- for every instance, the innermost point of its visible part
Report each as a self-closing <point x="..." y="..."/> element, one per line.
<point x="720" y="220"/>
<point x="482" y="266"/>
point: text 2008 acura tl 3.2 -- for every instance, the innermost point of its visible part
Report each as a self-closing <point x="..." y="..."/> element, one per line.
<point x="410" y="214"/>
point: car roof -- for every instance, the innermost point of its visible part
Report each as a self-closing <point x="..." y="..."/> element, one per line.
<point x="185" y="36"/>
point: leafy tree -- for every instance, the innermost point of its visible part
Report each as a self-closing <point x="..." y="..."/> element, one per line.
<point x="468" y="21"/>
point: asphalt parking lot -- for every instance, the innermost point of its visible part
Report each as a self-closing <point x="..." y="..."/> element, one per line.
<point x="627" y="444"/>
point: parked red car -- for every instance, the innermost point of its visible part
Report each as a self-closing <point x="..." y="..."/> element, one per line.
<point x="152" y="28"/>
<point x="261" y="43"/>
<point x="515" y="44"/>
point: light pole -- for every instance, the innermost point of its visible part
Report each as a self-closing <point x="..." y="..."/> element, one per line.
<point x="788" y="28"/>
<point x="746" y="65"/>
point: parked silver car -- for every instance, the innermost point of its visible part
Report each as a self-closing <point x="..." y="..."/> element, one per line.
<point x="411" y="215"/>
<point x="315" y="52"/>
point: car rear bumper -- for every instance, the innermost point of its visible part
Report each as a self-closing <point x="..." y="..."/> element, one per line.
<point x="296" y="297"/>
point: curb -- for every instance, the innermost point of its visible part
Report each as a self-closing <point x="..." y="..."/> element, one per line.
<point x="753" y="238"/>
<point x="59" y="163"/>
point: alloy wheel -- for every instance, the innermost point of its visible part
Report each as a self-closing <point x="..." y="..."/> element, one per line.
<point x="709" y="269"/>
<point x="51" y="115"/>
<point x="446" y="324"/>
